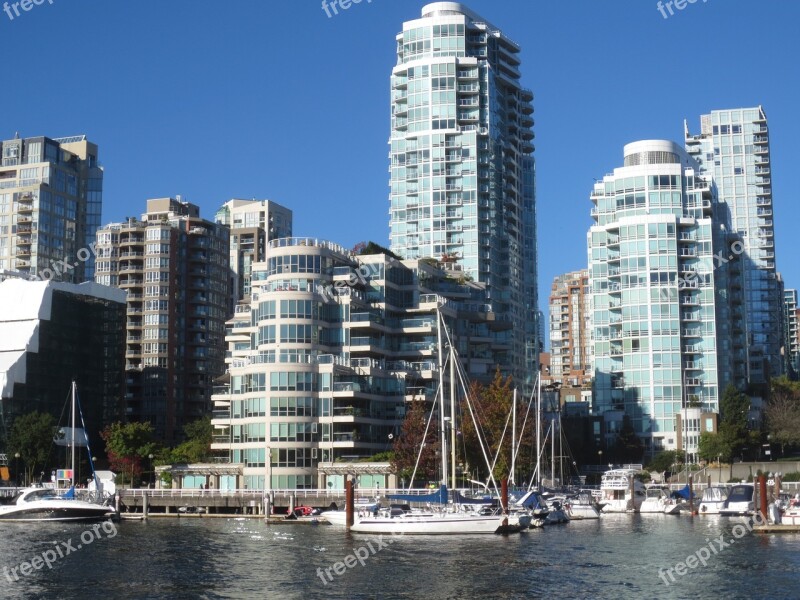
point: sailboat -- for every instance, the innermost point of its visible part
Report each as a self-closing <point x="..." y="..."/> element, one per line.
<point x="453" y="518"/>
<point x="40" y="503"/>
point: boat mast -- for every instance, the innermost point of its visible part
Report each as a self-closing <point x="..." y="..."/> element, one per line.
<point x="513" y="436"/>
<point x="539" y="432"/>
<point x="442" y="422"/>
<point x="72" y="445"/>
<point x="452" y="416"/>
<point x="553" y="452"/>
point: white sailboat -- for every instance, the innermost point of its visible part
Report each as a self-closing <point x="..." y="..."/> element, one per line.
<point x="452" y="519"/>
<point x="41" y="503"/>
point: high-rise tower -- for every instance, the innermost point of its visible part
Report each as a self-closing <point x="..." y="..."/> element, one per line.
<point x="462" y="167"/>
<point x="653" y="302"/>
<point x="733" y="149"/>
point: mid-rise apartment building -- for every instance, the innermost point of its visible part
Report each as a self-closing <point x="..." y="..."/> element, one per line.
<point x="173" y="264"/>
<point x="51" y="194"/>
<point x="330" y="349"/>
<point x="252" y="223"/>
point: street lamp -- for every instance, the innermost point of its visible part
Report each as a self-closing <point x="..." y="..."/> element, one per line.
<point x="152" y="471"/>
<point x="16" y="466"/>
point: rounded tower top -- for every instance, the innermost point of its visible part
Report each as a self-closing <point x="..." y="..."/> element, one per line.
<point x="652" y="152"/>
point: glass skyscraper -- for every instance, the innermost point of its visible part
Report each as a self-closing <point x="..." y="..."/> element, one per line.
<point x="733" y="149"/>
<point x="652" y="286"/>
<point x="462" y="167"/>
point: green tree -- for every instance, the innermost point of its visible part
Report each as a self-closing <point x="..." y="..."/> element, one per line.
<point x="127" y="445"/>
<point x="492" y="408"/>
<point x="197" y="447"/>
<point x="32" y="437"/>
<point x="710" y="447"/>
<point x="663" y="461"/>
<point x="411" y="441"/>
<point x="783" y="412"/>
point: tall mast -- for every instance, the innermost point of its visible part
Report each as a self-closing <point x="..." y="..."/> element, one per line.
<point x="72" y="445"/>
<point x="513" y="436"/>
<point x="553" y="451"/>
<point x="539" y="431"/>
<point x="452" y="416"/>
<point x="442" y="422"/>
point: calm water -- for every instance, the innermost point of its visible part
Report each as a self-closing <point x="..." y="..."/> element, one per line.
<point x="616" y="557"/>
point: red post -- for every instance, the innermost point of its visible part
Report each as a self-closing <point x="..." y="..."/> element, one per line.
<point x="349" y="501"/>
<point x="762" y="496"/>
<point x="504" y="495"/>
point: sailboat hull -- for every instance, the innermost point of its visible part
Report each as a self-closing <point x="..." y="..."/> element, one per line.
<point x="430" y="524"/>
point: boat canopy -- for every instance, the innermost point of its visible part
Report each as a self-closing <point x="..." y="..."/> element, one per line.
<point x="459" y="499"/>
<point x="439" y="496"/>
<point x="683" y="493"/>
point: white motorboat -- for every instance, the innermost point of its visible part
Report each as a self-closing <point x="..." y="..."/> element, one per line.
<point x="45" y="504"/>
<point x="789" y="511"/>
<point x="712" y="500"/>
<point x="621" y="491"/>
<point x="739" y="501"/>
<point x="362" y="508"/>
<point x="558" y="513"/>
<point x="582" y="506"/>
<point x="51" y="504"/>
<point x="657" y="501"/>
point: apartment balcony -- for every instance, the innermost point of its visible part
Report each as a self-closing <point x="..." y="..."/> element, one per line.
<point x="691" y="316"/>
<point x="692" y="350"/>
<point x="23" y="252"/>
<point x="693" y="381"/>
<point x="760" y="140"/>
<point x="689" y="301"/>
<point x="131" y="241"/>
<point x="126" y="268"/>
<point x="24" y="206"/>
<point x="692" y="332"/>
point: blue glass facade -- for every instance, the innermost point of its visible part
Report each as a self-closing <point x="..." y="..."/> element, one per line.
<point x="462" y="170"/>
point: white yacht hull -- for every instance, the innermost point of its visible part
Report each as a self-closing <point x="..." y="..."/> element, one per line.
<point x="433" y="524"/>
<point x="55" y="510"/>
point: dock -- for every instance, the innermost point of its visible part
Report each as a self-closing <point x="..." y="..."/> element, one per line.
<point x="776" y="529"/>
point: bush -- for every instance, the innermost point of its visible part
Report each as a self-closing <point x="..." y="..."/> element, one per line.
<point x="791" y="477"/>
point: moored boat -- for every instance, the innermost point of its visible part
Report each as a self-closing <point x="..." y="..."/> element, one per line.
<point x="712" y="500"/>
<point x="739" y="501"/>
<point x="621" y="491"/>
<point x="657" y="501"/>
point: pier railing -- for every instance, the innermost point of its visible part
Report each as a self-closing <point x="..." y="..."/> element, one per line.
<point x="300" y="494"/>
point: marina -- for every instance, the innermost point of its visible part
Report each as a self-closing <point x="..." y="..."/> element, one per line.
<point x="619" y="555"/>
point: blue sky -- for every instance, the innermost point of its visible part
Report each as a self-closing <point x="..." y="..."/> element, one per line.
<point x="253" y="98"/>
